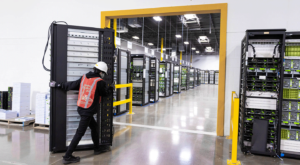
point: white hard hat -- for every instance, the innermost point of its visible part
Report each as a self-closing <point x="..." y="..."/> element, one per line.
<point x="101" y="66"/>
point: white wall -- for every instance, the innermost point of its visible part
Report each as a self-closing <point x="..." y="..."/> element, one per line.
<point x="206" y="62"/>
<point x="24" y="25"/>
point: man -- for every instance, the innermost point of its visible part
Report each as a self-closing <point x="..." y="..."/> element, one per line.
<point x="91" y="88"/>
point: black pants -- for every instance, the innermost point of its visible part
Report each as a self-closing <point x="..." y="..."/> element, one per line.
<point x="85" y="122"/>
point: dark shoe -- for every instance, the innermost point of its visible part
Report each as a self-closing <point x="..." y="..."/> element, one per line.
<point x="71" y="159"/>
<point x="101" y="149"/>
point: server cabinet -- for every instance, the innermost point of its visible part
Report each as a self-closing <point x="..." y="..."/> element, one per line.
<point x="289" y="142"/>
<point x="216" y="77"/>
<point x="177" y="78"/>
<point x="192" y="78"/>
<point x="198" y="77"/>
<point x="154" y="71"/>
<point x="171" y="78"/>
<point x="202" y="73"/>
<point x="185" y="78"/>
<point x="164" y="79"/>
<point x="121" y="76"/>
<point x="140" y="64"/>
<point x="206" y="77"/>
<point x="211" y="77"/>
<point x="74" y="52"/>
<point x="260" y="94"/>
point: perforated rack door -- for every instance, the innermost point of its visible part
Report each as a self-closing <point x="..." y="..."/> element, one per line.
<point x="106" y="113"/>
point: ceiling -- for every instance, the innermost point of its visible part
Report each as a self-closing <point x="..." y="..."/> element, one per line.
<point x="169" y="26"/>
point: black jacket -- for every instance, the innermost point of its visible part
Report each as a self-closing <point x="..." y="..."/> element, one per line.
<point x="101" y="90"/>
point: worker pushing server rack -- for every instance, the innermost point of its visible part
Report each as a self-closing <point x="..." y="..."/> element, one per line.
<point x="260" y="94"/>
<point x="140" y="64"/>
<point x="121" y="76"/>
<point x="74" y="52"/>
<point x="185" y="78"/>
<point x="154" y="79"/>
<point x="177" y="78"/>
<point x="290" y="121"/>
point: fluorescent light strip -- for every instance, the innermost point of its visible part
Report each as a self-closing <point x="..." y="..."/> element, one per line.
<point x="157" y="18"/>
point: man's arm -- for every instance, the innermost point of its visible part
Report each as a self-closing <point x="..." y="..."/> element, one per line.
<point x="71" y="85"/>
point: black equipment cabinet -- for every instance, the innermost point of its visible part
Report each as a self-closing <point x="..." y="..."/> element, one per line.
<point x="192" y="78"/>
<point x="290" y="122"/>
<point x="74" y="52"/>
<point x="164" y="79"/>
<point x="121" y="76"/>
<point x="177" y="78"/>
<point x="198" y="77"/>
<point x="153" y="73"/>
<point x="260" y="93"/>
<point x="139" y="70"/>
<point x="171" y="78"/>
<point x="185" y="78"/>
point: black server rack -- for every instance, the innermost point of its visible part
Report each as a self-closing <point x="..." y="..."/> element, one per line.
<point x="290" y="121"/>
<point x="211" y="77"/>
<point x="140" y="64"/>
<point x="202" y="74"/>
<point x="9" y="98"/>
<point x="165" y="79"/>
<point x="206" y="77"/>
<point x="171" y="78"/>
<point x="217" y="77"/>
<point x="185" y="78"/>
<point x="121" y="76"/>
<point x="3" y="99"/>
<point x="74" y="52"/>
<point x="154" y="72"/>
<point x="198" y="77"/>
<point x="192" y="78"/>
<point x="177" y="78"/>
<point x="260" y="92"/>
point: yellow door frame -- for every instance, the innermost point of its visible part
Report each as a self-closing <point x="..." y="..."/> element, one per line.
<point x="180" y="10"/>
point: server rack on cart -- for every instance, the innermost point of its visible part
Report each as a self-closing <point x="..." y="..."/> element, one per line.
<point x="154" y="72"/>
<point x="192" y="78"/>
<point x="206" y="77"/>
<point x="74" y="52"/>
<point x="290" y="127"/>
<point x="211" y="77"/>
<point x="185" y="78"/>
<point x="140" y="64"/>
<point x="217" y="77"/>
<point x="121" y="76"/>
<point x="164" y="79"/>
<point x="198" y="77"/>
<point x="260" y="94"/>
<point x="177" y="78"/>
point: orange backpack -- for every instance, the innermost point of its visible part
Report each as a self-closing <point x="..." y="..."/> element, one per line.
<point x="87" y="91"/>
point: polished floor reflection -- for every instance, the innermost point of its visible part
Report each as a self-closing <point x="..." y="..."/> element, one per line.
<point x="177" y="130"/>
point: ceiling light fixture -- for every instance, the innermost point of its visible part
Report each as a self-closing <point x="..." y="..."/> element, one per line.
<point x="197" y="51"/>
<point x="178" y="36"/>
<point x="190" y="16"/>
<point x="135" y="37"/>
<point x="193" y="48"/>
<point x="150" y="44"/>
<point x="203" y="39"/>
<point x="209" y="49"/>
<point x="186" y="42"/>
<point x="157" y="18"/>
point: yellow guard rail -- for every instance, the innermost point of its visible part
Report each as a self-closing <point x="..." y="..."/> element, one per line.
<point x="234" y="126"/>
<point x="117" y="86"/>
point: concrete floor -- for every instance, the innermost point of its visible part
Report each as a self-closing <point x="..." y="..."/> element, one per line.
<point x="176" y="130"/>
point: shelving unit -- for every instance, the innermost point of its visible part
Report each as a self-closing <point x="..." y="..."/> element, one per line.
<point x="139" y="70"/>
<point x="154" y="80"/>
<point x="177" y="78"/>
<point x="290" y="115"/>
<point x="261" y="91"/>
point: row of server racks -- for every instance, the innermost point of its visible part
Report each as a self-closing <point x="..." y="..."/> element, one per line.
<point x="269" y="122"/>
<point x="209" y="76"/>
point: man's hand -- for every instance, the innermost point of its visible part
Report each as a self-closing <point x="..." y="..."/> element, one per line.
<point x="113" y="86"/>
<point x="53" y="84"/>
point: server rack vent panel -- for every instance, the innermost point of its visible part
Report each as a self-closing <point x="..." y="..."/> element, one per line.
<point x="154" y="70"/>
